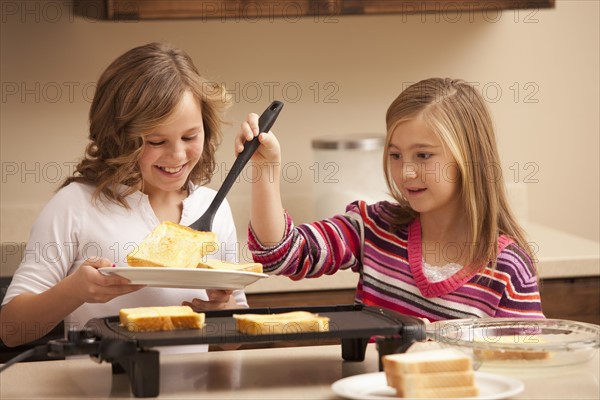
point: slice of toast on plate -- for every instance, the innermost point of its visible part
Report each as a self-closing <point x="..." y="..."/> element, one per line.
<point x="228" y="266"/>
<point x="173" y="245"/>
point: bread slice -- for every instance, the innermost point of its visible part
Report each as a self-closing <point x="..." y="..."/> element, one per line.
<point x="227" y="266"/>
<point x="510" y="354"/>
<point x="408" y="382"/>
<point x="167" y="318"/>
<point x="442" y="360"/>
<point x="173" y="245"/>
<point x="272" y="324"/>
<point x="440" y="393"/>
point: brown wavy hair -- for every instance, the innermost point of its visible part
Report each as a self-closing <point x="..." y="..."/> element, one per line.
<point x="458" y="115"/>
<point x="136" y="93"/>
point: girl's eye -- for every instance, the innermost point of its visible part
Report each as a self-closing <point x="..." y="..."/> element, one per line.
<point x="424" y="156"/>
<point x="394" y="156"/>
<point x="189" y="138"/>
<point x="155" y="143"/>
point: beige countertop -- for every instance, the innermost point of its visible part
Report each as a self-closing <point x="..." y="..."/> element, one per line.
<point x="559" y="255"/>
<point x="275" y="373"/>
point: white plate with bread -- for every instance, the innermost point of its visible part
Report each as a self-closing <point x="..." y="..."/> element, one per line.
<point x="433" y="373"/>
<point x="187" y="278"/>
<point x="176" y="256"/>
<point x="374" y="386"/>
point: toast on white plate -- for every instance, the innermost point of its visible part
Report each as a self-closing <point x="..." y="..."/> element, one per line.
<point x="228" y="266"/>
<point x="173" y="245"/>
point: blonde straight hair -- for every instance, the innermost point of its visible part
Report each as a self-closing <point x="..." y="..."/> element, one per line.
<point x="457" y="113"/>
<point x="136" y="93"/>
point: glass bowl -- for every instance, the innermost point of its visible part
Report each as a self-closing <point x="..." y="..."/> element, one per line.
<point x="509" y="342"/>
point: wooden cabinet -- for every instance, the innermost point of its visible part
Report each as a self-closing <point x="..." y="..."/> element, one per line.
<point x="311" y="298"/>
<point x="289" y="9"/>
<point x="575" y="299"/>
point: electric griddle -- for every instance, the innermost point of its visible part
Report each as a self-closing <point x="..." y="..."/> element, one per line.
<point x="104" y="339"/>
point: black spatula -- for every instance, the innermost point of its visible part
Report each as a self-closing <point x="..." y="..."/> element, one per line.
<point x="265" y="122"/>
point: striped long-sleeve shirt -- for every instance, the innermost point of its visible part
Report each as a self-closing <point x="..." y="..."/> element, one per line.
<point x="390" y="267"/>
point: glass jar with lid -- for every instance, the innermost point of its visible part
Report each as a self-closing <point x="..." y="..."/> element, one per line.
<point x="347" y="168"/>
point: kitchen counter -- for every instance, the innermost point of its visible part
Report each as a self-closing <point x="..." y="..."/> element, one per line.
<point x="559" y="255"/>
<point x="276" y="373"/>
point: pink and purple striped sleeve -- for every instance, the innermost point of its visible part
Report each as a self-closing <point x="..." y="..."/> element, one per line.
<point x="311" y="250"/>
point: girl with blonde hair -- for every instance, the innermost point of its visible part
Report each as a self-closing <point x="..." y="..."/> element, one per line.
<point x="155" y="123"/>
<point x="448" y="247"/>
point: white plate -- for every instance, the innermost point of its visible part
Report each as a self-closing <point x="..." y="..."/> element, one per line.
<point x="188" y="278"/>
<point x="374" y="387"/>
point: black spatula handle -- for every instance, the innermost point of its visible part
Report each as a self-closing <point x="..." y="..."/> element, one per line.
<point x="265" y="122"/>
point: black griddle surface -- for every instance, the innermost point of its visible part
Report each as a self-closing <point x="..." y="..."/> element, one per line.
<point x="345" y="322"/>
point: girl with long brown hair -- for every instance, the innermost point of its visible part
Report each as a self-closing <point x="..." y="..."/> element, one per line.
<point x="155" y="123"/>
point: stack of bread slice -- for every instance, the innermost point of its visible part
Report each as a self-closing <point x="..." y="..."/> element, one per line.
<point x="166" y="318"/>
<point x="441" y="373"/>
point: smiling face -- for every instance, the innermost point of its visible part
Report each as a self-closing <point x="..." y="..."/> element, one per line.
<point x="173" y="148"/>
<point x="423" y="169"/>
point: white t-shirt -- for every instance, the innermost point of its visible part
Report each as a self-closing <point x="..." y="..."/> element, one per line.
<point x="71" y="229"/>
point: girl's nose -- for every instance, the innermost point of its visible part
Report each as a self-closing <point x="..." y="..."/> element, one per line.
<point x="409" y="170"/>
<point x="178" y="151"/>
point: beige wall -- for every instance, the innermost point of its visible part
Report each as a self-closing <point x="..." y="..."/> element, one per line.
<point x="538" y="69"/>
